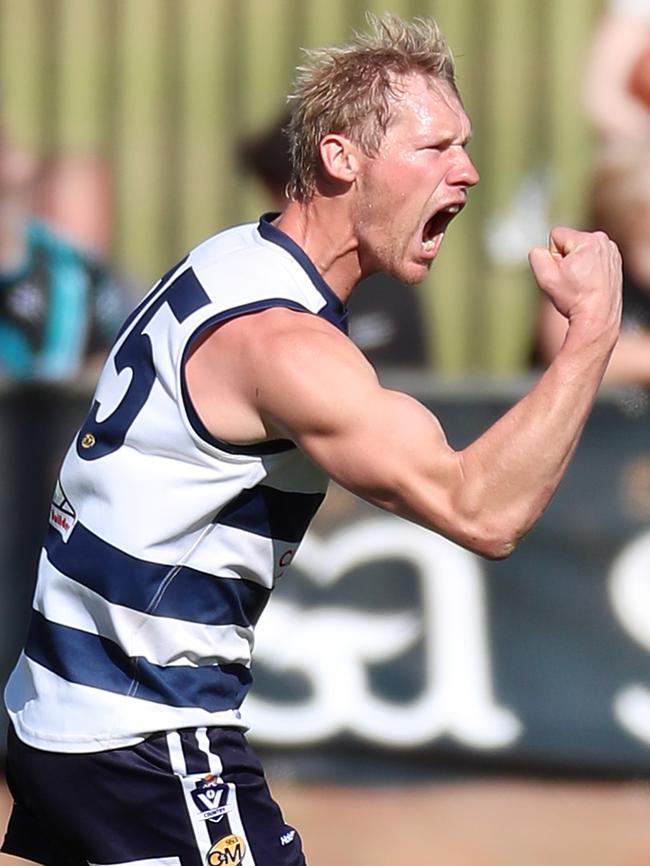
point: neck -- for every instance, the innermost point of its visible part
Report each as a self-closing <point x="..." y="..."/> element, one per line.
<point x="323" y="229"/>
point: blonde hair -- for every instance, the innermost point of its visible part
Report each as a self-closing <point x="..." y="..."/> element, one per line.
<point x="349" y="89"/>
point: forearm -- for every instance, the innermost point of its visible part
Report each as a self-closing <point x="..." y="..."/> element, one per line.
<point x="511" y="472"/>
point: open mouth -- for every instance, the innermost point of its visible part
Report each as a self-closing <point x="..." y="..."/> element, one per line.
<point x="436" y="226"/>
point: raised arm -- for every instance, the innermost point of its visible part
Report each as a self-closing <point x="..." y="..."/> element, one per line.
<point x="290" y="374"/>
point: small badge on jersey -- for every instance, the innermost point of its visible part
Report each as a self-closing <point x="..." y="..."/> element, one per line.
<point x="228" y="851"/>
<point x="62" y="515"/>
<point x="211" y="798"/>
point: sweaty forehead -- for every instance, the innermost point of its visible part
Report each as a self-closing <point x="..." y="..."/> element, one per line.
<point x="426" y="105"/>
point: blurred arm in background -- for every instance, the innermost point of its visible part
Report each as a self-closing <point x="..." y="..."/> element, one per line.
<point x="616" y="81"/>
<point x="617" y="107"/>
<point x="620" y="206"/>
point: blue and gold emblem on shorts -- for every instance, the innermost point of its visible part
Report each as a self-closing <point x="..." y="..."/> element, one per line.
<point x="210" y="796"/>
<point x="228" y="851"/>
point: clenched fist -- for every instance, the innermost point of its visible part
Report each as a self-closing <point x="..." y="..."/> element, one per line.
<point x="581" y="274"/>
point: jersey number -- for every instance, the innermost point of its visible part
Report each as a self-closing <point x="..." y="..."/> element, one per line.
<point x="96" y="438"/>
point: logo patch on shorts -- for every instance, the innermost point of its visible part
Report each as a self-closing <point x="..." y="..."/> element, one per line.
<point x="228" y="851"/>
<point x="211" y="798"/>
<point x="287" y="838"/>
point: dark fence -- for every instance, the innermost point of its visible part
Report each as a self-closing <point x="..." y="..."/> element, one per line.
<point x="388" y="650"/>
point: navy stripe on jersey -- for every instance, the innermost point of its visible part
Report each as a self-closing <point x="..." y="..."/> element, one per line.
<point x="274" y="446"/>
<point x="160" y="590"/>
<point x="271" y="513"/>
<point x="334" y="311"/>
<point x="105" y="666"/>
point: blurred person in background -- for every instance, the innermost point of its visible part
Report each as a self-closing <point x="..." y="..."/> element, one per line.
<point x="617" y="108"/>
<point x="74" y="194"/>
<point x="619" y="206"/>
<point x="60" y="305"/>
<point x="385" y="319"/>
<point x="617" y="74"/>
<point x="60" y="308"/>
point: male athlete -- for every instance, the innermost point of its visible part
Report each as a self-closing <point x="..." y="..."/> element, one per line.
<point x="231" y="394"/>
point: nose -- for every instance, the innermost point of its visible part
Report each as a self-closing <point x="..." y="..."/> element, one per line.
<point x="463" y="171"/>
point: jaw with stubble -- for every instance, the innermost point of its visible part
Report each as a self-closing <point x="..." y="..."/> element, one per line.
<point x="404" y="252"/>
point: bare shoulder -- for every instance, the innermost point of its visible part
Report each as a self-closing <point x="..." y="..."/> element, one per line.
<point x="300" y="366"/>
<point x="274" y="338"/>
<point x="255" y="367"/>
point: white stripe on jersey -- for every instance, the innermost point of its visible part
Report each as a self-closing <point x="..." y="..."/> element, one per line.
<point x="108" y="713"/>
<point x="161" y="640"/>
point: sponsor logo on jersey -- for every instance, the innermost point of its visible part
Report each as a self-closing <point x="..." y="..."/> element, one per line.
<point x="228" y="851"/>
<point x="62" y="515"/>
<point x="286" y="558"/>
<point x="211" y="798"/>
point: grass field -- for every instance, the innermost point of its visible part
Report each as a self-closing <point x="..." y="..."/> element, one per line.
<point x="486" y="823"/>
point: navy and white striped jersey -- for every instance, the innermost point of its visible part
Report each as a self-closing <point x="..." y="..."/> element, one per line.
<point x="164" y="543"/>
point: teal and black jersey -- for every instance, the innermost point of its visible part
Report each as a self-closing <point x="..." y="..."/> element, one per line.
<point x="60" y="307"/>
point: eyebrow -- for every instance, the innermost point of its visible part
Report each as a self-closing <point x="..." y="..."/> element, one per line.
<point x="448" y="138"/>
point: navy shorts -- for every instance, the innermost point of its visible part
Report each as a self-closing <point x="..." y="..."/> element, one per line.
<point x="182" y="798"/>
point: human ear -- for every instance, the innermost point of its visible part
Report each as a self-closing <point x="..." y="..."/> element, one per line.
<point x="339" y="158"/>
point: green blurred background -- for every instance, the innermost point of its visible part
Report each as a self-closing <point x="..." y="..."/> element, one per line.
<point x="165" y="89"/>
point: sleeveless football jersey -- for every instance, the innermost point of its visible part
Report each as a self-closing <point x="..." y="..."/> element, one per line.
<point x="164" y="543"/>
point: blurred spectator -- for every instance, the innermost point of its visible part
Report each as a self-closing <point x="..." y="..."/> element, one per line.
<point x="617" y="106"/>
<point x="60" y="306"/>
<point x="74" y="194"/>
<point x="385" y="320"/>
<point x="620" y="206"/>
<point x="617" y="74"/>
